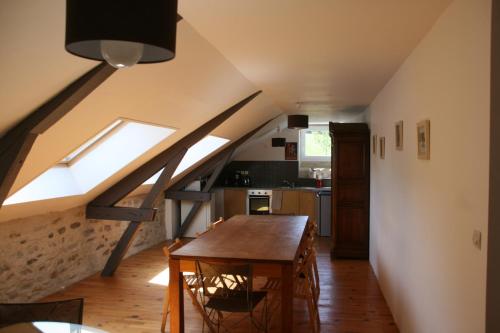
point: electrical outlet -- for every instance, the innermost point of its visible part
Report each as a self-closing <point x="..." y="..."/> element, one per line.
<point x="476" y="239"/>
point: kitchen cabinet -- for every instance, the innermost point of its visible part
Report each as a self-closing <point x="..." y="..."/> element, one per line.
<point x="351" y="190"/>
<point x="307" y="204"/>
<point x="290" y="203"/>
<point x="235" y="202"/>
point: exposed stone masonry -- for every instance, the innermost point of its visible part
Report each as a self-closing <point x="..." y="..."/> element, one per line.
<point x="42" y="254"/>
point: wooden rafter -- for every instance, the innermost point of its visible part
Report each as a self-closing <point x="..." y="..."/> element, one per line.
<point x="188" y="195"/>
<point x="131" y="231"/>
<point x="143" y="173"/>
<point x="17" y="142"/>
<point x="208" y="186"/>
<point x="121" y="213"/>
<point x="206" y="167"/>
<point x="214" y="165"/>
<point x="168" y="160"/>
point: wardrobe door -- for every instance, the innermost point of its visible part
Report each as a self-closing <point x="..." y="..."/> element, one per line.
<point x="351" y="190"/>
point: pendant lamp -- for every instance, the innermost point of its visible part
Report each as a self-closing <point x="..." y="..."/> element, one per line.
<point x="123" y="32"/>
<point x="298" y="121"/>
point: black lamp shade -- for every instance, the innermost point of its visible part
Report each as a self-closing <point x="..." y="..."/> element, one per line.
<point x="298" y="121"/>
<point x="152" y="23"/>
<point x="278" y="142"/>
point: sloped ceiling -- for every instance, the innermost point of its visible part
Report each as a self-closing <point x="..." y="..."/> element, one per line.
<point x="336" y="53"/>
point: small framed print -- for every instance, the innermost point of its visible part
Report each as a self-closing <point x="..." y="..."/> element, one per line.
<point x="382" y="147"/>
<point x="399" y="135"/>
<point x="374" y="144"/>
<point x="291" y="151"/>
<point x="424" y="140"/>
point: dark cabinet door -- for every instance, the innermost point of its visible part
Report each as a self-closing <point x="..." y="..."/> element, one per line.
<point x="351" y="190"/>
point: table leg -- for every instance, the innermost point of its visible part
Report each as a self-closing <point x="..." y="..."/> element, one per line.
<point x="287" y="298"/>
<point x="176" y="297"/>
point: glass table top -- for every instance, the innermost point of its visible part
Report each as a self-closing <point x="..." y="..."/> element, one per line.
<point x="49" y="327"/>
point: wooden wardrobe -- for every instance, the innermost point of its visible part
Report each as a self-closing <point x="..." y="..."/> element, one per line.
<point x="350" y="190"/>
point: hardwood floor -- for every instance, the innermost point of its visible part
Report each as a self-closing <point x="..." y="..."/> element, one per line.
<point x="350" y="299"/>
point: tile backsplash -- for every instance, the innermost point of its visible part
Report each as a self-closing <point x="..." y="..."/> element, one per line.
<point x="266" y="174"/>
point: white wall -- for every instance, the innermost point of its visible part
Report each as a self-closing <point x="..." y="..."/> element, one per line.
<point x="262" y="150"/>
<point x="423" y="213"/>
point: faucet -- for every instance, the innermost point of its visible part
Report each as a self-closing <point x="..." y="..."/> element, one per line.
<point x="286" y="183"/>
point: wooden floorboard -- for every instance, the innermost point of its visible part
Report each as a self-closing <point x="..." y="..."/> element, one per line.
<point x="350" y="300"/>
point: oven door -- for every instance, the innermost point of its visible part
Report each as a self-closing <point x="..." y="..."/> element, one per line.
<point x="259" y="205"/>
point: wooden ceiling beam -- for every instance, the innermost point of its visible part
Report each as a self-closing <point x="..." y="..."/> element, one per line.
<point x="188" y="195"/>
<point x="17" y="142"/>
<point x="169" y="160"/>
<point x="120" y="213"/>
<point x="215" y="163"/>
<point x="206" y="167"/>
<point x="118" y="191"/>
<point x="208" y="186"/>
<point x="129" y="234"/>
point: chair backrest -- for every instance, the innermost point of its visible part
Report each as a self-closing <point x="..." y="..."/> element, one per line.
<point x="223" y="280"/>
<point x="172" y="247"/>
<point x="218" y="222"/>
<point x="69" y="311"/>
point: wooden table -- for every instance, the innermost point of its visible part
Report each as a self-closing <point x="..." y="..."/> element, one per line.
<point x="269" y="242"/>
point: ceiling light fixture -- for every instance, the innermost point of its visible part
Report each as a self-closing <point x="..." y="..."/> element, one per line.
<point x="122" y="33"/>
<point x="298" y="121"/>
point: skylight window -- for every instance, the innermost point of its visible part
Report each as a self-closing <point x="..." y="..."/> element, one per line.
<point x="96" y="160"/>
<point x="197" y="152"/>
<point x="91" y="143"/>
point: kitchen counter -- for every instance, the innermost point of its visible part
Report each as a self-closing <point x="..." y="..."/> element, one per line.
<point x="297" y="188"/>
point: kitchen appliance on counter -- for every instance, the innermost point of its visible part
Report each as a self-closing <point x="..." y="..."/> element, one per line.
<point x="259" y="202"/>
<point x="324" y="210"/>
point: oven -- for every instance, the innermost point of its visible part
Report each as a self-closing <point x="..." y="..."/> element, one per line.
<point x="259" y="202"/>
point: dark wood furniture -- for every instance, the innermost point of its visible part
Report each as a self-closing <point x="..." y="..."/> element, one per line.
<point x="271" y="244"/>
<point x="69" y="311"/>
<point x="351" y="190"/>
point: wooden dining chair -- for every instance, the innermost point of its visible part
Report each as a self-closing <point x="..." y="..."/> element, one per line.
<point x="227" y="289"/>
<point x="190" y="284"/>
<point x="308" y="247"/>
<point x="303" y="289"/>
<point x="218" y="222"/>
<point x="69" y="311"/>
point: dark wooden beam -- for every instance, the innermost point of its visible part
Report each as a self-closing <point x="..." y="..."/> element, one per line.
<point x="218" y="161"/>
<point x="188" y="195"/>
<point x="17" y="142"/>
<point x="208" y="186"/>
<point x="120" y="213"/>
<point x="206" y="167"/>
<point x="141" y="174"/>
<point x="11" y="162"/>
<point x="131" y="231"/>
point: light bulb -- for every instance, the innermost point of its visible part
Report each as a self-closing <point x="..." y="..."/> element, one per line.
<point x="120" y="54"/>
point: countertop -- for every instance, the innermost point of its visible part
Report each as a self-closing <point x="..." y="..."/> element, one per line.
<point x="297" y="188"/>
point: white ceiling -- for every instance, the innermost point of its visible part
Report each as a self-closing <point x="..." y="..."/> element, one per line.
<point x="328" y="53"/>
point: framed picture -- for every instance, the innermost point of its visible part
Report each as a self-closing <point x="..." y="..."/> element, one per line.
<point x="382" y="147"/>
<point x="291" y="151"/>
<point x="374" y="144"/>
<point x="399" y="135"/>
<point x="424" y="140"/>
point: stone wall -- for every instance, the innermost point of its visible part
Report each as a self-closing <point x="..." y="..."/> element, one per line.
<point x="40" y="255"/>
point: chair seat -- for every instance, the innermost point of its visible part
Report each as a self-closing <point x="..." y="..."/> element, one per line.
<point x="190" y="279"/>
<point x="235" y="302"/>
<point x="301" y="287"/>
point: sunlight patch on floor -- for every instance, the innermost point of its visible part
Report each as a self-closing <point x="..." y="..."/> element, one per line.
<point x="161" y="278"/>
